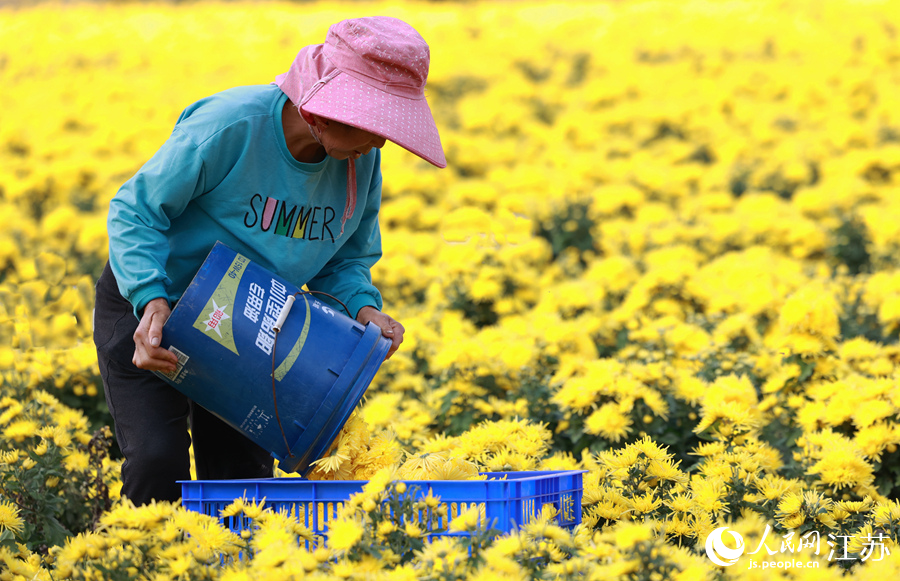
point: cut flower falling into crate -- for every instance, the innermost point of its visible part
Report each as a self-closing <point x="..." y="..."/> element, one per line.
<point x="655" y="294"/>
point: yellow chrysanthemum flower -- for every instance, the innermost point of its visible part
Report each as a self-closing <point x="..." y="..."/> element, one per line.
<point x="666" y="470"/>
<point x="843" y="467"/>
<point x="76" y="461"/>
<point x="609" y="421"/>
<point x="10" y="519"/>
<point x="419" y="467"/>
<point x="18" y="430"/>
<point x="887" y="514"/>
<point x="708" y="495"/>
<point x="812" y="309"/>
<point x="343" y="533"/>
<point x="233" y="509"/>
<point x="455" y="469"/>
<point x="629" y="534"/>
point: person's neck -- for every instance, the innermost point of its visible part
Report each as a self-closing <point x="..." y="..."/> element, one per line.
<point x="300" y="142"/>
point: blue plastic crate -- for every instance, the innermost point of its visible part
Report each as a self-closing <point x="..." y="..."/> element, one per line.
<point x="508" y="499"/>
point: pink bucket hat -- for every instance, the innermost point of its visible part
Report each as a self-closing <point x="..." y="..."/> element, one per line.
<point x="370" y="73"/>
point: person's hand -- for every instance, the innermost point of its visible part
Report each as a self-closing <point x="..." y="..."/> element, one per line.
<point x="389" y="327"/>
<point x="147" y="352"/>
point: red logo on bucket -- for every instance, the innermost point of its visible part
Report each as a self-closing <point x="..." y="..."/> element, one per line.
<point x="215" y="317"/>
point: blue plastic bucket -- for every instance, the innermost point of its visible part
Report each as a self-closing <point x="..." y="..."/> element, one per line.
<point x="221" y="331"/>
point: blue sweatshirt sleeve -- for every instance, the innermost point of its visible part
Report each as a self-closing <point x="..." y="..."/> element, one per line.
<point x="141" y="213"/>
<point x="347" y="275"/>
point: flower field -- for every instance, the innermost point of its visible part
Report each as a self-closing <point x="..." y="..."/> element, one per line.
<point x="666" y="251"/>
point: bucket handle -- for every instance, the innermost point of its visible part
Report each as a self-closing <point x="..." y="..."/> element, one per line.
<point x="277" y="328"/>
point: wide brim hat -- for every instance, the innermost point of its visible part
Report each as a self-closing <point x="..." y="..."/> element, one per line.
<point x="370" y="73"/>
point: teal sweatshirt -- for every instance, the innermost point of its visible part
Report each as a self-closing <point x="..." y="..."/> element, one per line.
<point x="226" y="174"/>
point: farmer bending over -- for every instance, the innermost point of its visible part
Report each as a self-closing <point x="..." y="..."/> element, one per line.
<point x="310" y="140"/>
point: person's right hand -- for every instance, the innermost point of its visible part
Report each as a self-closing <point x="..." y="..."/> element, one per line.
<point x="147" y="352"/>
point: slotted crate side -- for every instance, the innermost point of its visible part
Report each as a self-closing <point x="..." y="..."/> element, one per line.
<point x="563" y="492"/>
<point x="508" y="500"/>
<point x="313" y="502"/>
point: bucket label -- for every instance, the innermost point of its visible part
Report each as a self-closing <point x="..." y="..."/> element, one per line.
<point x="270" y="310"/>
<point x="215" y="318"/>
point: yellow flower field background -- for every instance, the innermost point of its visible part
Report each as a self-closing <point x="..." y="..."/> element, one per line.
<point x="665" y="251"/>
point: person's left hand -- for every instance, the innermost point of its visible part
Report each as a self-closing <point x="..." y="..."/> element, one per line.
<point x="389" y="327"/>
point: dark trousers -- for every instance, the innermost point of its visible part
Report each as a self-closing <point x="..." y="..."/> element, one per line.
<point x="152" y="418"/>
